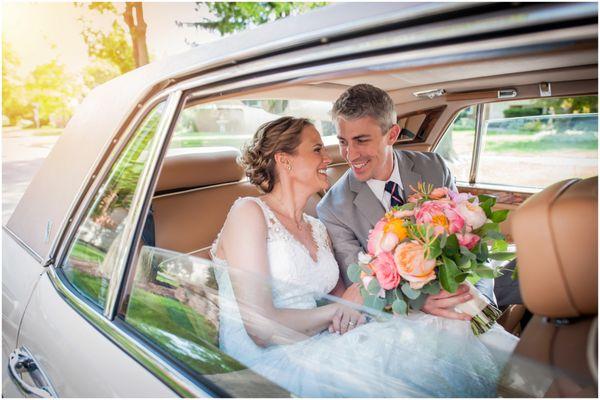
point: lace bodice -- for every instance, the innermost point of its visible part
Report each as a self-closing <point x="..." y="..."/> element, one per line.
<point x="298" y="280"/>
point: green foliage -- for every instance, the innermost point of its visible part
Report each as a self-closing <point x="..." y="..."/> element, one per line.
<point x="353" y="272"/>
<point x="448" y="271"/>
<point x="114" y="46"/>
<point x="52" y="90"/>
<point x="375" y="302"/>
<point x="373" y="287"/>
<point x="14" y="104"/>
<point x="521" y="112"/>
<point x="499" y="215"/>
<point x="98" y="72"/>
<point x="237" y="16"/>
<point x="409" y="291"/>
<point x="569" y="105"/>
<point x="399" y="306"/>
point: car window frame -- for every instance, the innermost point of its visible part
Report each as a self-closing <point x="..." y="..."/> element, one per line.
<point x="478" y="144"/>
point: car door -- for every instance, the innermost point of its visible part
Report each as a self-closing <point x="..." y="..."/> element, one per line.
<point x="67" y="344"/>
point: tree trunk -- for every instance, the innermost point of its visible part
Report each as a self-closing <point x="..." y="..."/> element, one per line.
<point x="137" y="30"/>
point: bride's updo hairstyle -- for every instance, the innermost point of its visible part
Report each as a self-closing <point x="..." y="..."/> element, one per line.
<point x="258" y="156"/>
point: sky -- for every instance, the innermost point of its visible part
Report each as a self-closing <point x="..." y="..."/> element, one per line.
<point x="41" y="31"/>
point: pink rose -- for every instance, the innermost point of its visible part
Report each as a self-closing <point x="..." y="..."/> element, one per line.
<point x="473" y="215"/>
<point x="469" y="240"/>
<point x="412" y="265"/>
<point x="440" y="193"/>
<point x="375" y="236"/>
<point x="415" y="197"/>
<point x="442" y="216"/>
<point x="386" y="272"/>
<point x="403" y="213"/>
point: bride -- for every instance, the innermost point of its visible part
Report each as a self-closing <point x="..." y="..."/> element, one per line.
<point x="277" y="263"/>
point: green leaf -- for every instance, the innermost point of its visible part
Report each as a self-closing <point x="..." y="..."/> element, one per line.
<point x="432" y="287"/>
<point x="373" y="287"/>
<point x="460" y="278"/>
<point x="417" y="303"/>
<point x="483" y="252"/>
<point x="487" y="228"/>
<point x="375" y="302"/>
<point x="399" y="306"/>
<point x="443" y="240"/>
<point x="502" y="256"/>
<point x="486" y="272"/>
<point x="407" y="206"/>
<point x="484" y="197"/>
<point x="354" y="272"/>
<point x="468" y="253"/>
<point x="499" y="245"/>
<point x="495" y="235"/>
<point x="365" y="269"/>
<point x="389" y="297"/>
<point x="464" y="262"/>
<point x="452" y="246"/>
<point x="435" y="250"/>
<point x="515" y="274"/>
<point x="499" y="215"/>
<point x="410" y="292"/>
<point x="448" y="271"/>
<point x="364" y="293"/>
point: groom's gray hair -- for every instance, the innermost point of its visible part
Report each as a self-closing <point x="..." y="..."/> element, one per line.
<point x="364" y="100"/>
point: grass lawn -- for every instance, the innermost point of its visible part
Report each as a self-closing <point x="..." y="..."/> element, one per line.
<point x="540" y="145"/>
<point x="84" y="251"/>
<point x="92" y="286"/>
<point x="180" y="331"/>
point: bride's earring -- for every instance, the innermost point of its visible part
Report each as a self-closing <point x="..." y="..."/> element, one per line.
<point x="289" y="167"/>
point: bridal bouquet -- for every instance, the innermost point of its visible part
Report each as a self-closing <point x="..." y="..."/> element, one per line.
<point x="438" y="239"/>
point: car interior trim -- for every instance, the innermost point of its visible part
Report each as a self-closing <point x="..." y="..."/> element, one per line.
<point x="592" y="349"/>
<point x="128" y="343"/>
<point x="24" y="245"/>
<point x="118" y="271"/>
<point x="477" y="143"/>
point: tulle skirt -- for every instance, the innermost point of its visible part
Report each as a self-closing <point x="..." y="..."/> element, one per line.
<point x="419" y="355"/>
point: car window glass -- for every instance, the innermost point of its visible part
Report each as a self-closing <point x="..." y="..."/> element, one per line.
<point x="174" y="303"/>
<point x="456" y="146"/>
<point x="230" y="123"/>
<point x="93" y="252"/>
<point x="535" y="143"/>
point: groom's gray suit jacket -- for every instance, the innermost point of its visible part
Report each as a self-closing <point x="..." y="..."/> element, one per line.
<point x="350" y="209"/>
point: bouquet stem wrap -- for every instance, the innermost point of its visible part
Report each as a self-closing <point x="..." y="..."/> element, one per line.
<point x="483" y="313"/>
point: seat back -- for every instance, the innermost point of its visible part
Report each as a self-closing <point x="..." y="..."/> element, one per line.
<point x="194" y="194"/>
<point x="556" y="233"/>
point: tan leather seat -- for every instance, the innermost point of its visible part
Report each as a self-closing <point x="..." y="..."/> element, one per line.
<point x="556" y="233"/>
<point x="194" y="194"/>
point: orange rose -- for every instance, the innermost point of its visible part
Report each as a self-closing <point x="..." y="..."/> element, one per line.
<point x="412" y="265"/>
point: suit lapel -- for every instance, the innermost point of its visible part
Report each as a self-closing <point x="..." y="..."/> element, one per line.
<point x="407" y="174"/>
<point x="366" y="202"/>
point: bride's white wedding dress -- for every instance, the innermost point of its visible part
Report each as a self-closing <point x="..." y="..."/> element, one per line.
<point x="414" y="356"/>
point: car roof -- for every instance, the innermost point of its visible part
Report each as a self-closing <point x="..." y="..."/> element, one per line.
<point x="49" y="200"/>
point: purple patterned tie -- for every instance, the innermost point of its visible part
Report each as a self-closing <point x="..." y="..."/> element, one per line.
<point x="392" y="188"/>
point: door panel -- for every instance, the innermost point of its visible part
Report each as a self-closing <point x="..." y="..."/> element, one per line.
<point x="78" y="359"/>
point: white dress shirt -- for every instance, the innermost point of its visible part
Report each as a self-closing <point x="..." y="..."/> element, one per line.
<point x="378" y="187"/>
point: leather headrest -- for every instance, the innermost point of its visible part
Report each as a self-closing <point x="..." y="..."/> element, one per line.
<point x="198" y="169"/>
<point x="556" y="233"/>
<point x="333" y="150"/>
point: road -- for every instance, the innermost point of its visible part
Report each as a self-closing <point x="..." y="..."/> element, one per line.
<point x="23" y="152"/>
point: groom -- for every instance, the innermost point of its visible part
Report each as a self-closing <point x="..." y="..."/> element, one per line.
<point x="379" y="178"/>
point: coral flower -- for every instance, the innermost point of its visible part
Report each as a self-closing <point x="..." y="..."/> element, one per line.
<point x="441" y="215"/>
<point x="386" y="234"/>
<point x="412" y="265"/>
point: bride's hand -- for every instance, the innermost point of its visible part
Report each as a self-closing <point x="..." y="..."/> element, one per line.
<point x="345" y="319"/>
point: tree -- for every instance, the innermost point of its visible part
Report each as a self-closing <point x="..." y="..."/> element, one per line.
<point x="114" y="46"/>
<point x="569" y="105"/>
<point x="99" y="71"/>
<point x="237" y="16"/>
<point x="52" y="91"/>
<point x="14" y="103"/>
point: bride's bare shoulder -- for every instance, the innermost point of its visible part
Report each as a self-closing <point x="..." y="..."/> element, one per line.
<point x="244" y="211"/>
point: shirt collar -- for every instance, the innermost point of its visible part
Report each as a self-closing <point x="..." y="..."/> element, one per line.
<point x="378" y="187"/>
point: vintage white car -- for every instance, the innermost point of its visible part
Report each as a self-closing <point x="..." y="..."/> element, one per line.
<point x="108" y="290"/>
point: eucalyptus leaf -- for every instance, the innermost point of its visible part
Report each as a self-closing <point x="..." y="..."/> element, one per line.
<point x="443" y="240"/>
<point x="503" y="256"/>
<point x="432" y="287"/>
<point x="410" y="292"/>
<point x="353" y="272"/>
<point x="373" y="287"/>
<point x="467" y="253"/>
<point x="399" y="306"/>
<point x="365" y="269"/>
<point x="375" y="302"/>
<point x="499" y="215"/>
<point x="418" y="303"/>
<point x="364" y="293"/>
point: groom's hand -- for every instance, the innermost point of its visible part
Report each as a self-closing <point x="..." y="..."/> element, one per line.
<point x="353" y="294"/>
<point x="443" y="303"/>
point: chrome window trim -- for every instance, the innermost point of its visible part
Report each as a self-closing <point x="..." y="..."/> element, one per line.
<point x="162" y="369"/>
<point x="500" y="187"/>
<point x="137" y="201"/>
<point x="24" y="245"/>
<point x="98" y="173"/>
<point x="477" y="142"/>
